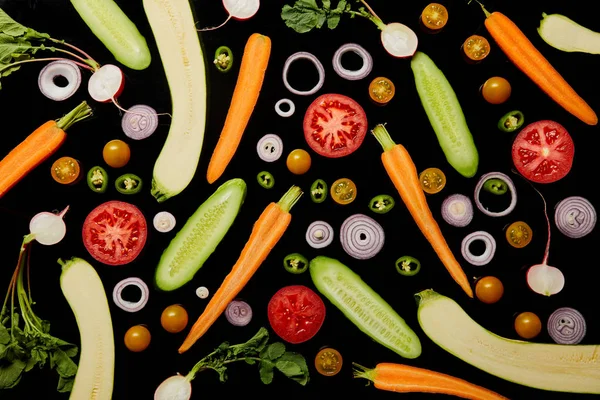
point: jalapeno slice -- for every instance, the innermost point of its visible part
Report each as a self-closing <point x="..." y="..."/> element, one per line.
<point x="128" y="184"/>
<point x="265" y="179"/>
<point x="295" y="263"/>
<point x="223" y="59"/>
<point x="495" y="186"/>
<point x="511" y="121"/>
<point x="408" y="266"/>
<point x="382" y="204"/>
<point x="318" y="191"/>
<point x="97" y="179"/>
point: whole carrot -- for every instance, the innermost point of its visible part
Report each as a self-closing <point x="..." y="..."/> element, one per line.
<point x="266" y="232"/>
<point x="245" y="95"/>
<point x="519" y="49"/>
<point x="406" y="379"/>
<point x="37" y="147"/>
<point x="403" y="173"/>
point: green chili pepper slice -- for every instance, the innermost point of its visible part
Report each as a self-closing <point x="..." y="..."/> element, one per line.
<point x="128" y="184"/>
<point x="511" y="121"/>
<point x="295" y="263"/>
<point x="318" y="191"/>
<point x="408" y="266"/>
<point x="382" y="204"/>
<point x="97" y="179"/>
<point x="223" y="59"/>
<point x="495" y="186"/>
<point x="265" y="179"/>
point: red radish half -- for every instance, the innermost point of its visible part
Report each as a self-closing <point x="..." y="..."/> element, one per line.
<point x="106" y="84"/>
<point x="241" y="9"/>
<point x="399" y="40"/>
<point x="176" y="387"/>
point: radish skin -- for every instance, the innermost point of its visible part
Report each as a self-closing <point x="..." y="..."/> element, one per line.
<point x="106" y="84"/>
<point x="176" y="387"/>
<point x="241" y="9"/>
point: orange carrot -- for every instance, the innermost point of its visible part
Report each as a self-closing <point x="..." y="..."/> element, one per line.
<point x="528" y="59"/>
<point x="37" y="147"/>
<point x="245" y="95"/>
<point x="266" y="232"/>
<point x="403" y="173"/>
<point x="406" y="379"/>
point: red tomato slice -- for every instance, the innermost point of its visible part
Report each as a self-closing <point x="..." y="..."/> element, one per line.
<point x="334" y="125"/>
<point x="543" y="151"/>
<point x="114" y="233"/>
<point x="296" y="313"/>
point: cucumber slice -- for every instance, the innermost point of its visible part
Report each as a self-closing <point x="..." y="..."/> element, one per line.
<point x="567" y="35"/>
<point x="445" y="115"/>
<point x="365" y="308"/>
<point x="556" y="367"/>
<point x="200" y="235"/>
<point x="118" y="33"/>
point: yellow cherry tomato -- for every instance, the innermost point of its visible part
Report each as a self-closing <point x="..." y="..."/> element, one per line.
<point x="116" y="153"/>
<point x="432" y="180"/>
<point x="528" y="325"/>
<point x="519" y="234"/>
<point x="137" y="338"/>
<point x="65" y="170"/>
<point x="476" y="47"/>
<point x="328" y="361"/>
<point x="489" y="289"/>
<point x="496" y="90"/>
<point x="381" y="90"/>
<point x="298" y="161"/>
<point x="434" y="16"/>
<point x="174" y="318"/>
<point x="343" y="191"/>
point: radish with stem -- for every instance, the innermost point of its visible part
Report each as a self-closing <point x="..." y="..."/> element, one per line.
<point x="240" y="10"/>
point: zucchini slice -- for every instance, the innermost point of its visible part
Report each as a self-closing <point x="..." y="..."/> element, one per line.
<point x="567" y="35"/>
<point x="555" y="367"/>
<point x="363" y="306"/>
<point x="85" y="293"/>
<point x="174" y="30"/>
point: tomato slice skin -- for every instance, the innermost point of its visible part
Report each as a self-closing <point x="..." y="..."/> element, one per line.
<point x="115" y="232"/>
<point x="296" y="313"/>
<point x="335" y="125"/>
<point x="543" y="152"/>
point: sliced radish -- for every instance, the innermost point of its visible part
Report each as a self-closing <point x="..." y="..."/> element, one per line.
<point x="241" y="9"/>
<point x="545" y="279"/>
<point x="55" y="70"/>
<point x="176" y="387"/>
<point x="399" y="40"/>
<point x="48" y="228"/>
<point x="106" y="84"/>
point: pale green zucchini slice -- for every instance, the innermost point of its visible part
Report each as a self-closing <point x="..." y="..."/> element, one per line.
<point x="363" y="306"/>
<point x="555" y="367"/>
<point x="567" y="35"/>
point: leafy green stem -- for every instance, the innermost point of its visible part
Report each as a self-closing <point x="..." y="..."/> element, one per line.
<point x="14" y="64"/>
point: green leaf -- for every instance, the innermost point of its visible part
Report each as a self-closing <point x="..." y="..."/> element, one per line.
<point x="326" y="4"/>
<point x="250" y="361"/>
<point x="257" y="343"/>
<point x="64" y="365"/>
<point x="299" y="360"/>
<point x="274" y="351"/>
<point x="10" y="374"/>
<point x="4" y="335"/>
<point x="289" y="368"/>
<point x="266" y="372"/>
<point x="303" y="16"/>
<point x="11" y="27"/>
<point x="65" y="384"/>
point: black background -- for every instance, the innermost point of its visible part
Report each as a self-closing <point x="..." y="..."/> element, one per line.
<point x="23" y="108"/>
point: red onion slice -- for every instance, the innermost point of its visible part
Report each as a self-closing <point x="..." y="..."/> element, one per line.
<point x="488" y="254"/>
<point x="307" y="56"/>
<point x="139" y="122"/>
<point x="362" y="237"/>
<point x="457" y="210"/>
<point x="566" y="326"/>
<point x="319" y="234"/>
<point x="358" y="74"/>
<point x="238" y="313"/>
<point x="270" y="147"/>
<point x="65" y="68"/>
<point x="575" y="217"/>
<point x="128" y="305"/>
<point x="511" y="188"/>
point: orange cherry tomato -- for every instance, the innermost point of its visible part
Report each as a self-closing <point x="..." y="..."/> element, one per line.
<point x="298" y="162"/>
<point x="137" y="338"/>
<point x="434" y="16"/>
<point x="116" y="153"/>
<point x="476" y="47"/>
<point x="174" y="318"/>
<point x="496" y="90"/>
<point x="381" y="90"/>
<point x="343" y="191"/>
<point x="519" y="234"/>
<point x="528" y="325"/>
<point x="432" y="180"/>
<point x="65" y="170"/>
<point x="489" y="289"/>
<point x="328" y="361"/>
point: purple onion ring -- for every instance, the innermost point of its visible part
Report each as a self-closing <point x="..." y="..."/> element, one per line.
<point x="238" y="313"/>
<point x="488" y="254"/>
<point x="128" y="305"/>
<point x="307" y="56"/>
<point x="269" y="147"/>
<point x="65" y="68"/>
<point x="319" y="234"/>
<point x="511" y="188"/>
<point x="361" y="73"/>
<point x="575" y="217"/>
<point x="362" y="237"/>
<point x="566" y="326"/>
<point x="457" y="210"/>
<point x="139" y="122"/>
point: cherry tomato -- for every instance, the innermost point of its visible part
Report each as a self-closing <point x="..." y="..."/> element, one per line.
<point x="116" y="153"/>
<point x="519" y="234"/>
<point x="65" y="170"/>
<point x="434" y="16"/>
<point x="343" y="191"/>
<point x="496" y="90"/>
<point x="432" y="180"/>
<point x="489" y="289"/>
<point x="528" y="325"/>
<point x="476" y="47"/>
<point x="298" y="161"/>
<point x="381" y="90"/>
<point x="137" y="338"/>
<point x="174" y="318"/>
<point x="328" y="361"/>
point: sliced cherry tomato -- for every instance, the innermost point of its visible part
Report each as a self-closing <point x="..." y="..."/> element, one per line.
<point x="298" y="161"/>
<point x="496" y="90"/>
<point x="295" y="263"/>
<point x="174" y="318"/>
<point x="265" y="179"/>
<point x="318" y="191"/>
<point x="519" y="234"/>
<point x="97" y="179"/>
<point x="528" y="325"/>
<point x="495" y="186"/>
<point x="114" y="233"/>
<point x="511" y="121"/>
<point x="432" y="180"/>
<point x="381" y="90"/>
<point x="343" y="191"/>
<point x="382" y="204"/>
<point x="65" y="170"/>
<point x="137" y="338"/>
<point x="296" y="313"/>
<point x="489" y="289"/>
<point x="128" y="184"/>
<point x="116" y="153"/>
<point x="408" y="266"/>
<point x="434" y="16"/>
<point x="328" y="361"/>
<point x="223" y="59"/>
<point x="476" y="47"/>
<point x="543" y="152"/>
<point x="335" y="125"/>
